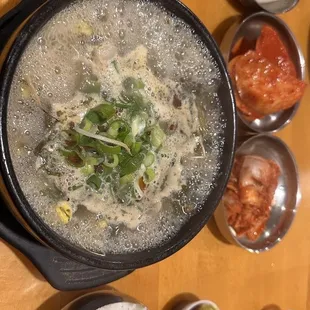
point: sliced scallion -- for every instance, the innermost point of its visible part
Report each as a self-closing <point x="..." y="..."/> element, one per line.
<point x="87" y="124"/>
<point x="103" y="149"/>
<point x="102" y="138"/>
<point x="149" y="159"/>
<point x="94" y="182"/>
<point x="131" y="83"/>
<point x="128" y="178"/>
<point x="136" y="148"/>
<point x="90" y="87"/>
<point x="149" y="175"/>
<point x="138" y="125"/>
<point x="118" y="129"/>
<point x="111" y="164"/>
<point x="106" y="111"/>
<point x="129" y="140"/>
<point x="157" y="137"/>
<point x="113" y="129"/>
<point x="89" y="167"/>
<point x="114" y="62"/>
<point x="73" y="158"/>
<point x="131" y="164"/>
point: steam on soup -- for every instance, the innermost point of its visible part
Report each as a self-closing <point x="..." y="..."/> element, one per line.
<point x="115" y="125"/>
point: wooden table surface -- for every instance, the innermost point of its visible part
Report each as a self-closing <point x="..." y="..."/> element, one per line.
<point x="207" y="267"/>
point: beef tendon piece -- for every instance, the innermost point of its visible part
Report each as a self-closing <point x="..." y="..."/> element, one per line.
<point x="249" y="195"/>
<point x="264" y="86"/>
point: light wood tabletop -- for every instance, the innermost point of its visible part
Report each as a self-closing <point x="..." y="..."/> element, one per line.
<point x="207" y="267"/>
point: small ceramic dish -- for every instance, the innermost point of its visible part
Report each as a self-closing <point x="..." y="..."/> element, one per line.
<point x="250" y="28"/>
<point x="286" y="199"/>
<point x="209" y="305"/>
<point x="271" y="6"/>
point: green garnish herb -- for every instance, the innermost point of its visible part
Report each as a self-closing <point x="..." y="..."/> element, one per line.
<point x="94" y="182"/>
<point x="114" y="62"/>
<point x="126" y="179"/>
<point x="149" y="159"/>
<point x="149" y="175"/>
<point x="73" y="158"/>
<point x="117" y="142"/>
<point x="157" y="136"/>
<point x="111" y="163"/>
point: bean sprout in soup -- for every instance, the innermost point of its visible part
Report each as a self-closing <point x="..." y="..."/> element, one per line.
<point x="115" y="128"/>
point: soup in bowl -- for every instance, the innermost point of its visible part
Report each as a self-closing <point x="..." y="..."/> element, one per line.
<point x="118" y="129"/>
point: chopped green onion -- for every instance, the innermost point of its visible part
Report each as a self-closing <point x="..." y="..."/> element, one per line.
<point x="103" y="170"/>
<point x="157" y="137"/>
<point x="133" y="98"/>
<point x="126" y="179"/>
<point x="118" y="129"/>
<point x="138" y="125"/>
<point x="74" y="188"/>
<point x="113" y="129"/>
<point x="123" y="130"/>
<point x="122" y="105"/>
<point x="93" y="117"/>
<point x="136" y="148"/>
<point x="85" y="141"/>
<point x="103" y="149"/>
<point x="90" y="87"/>
<point x="114" y="62"/>
<point x="131" y="83"/>
<point x="87" y="124"/>
<point x="149" y="175"/>
<point x="101" y="138"/>
<point x="106" y="111"/>
<point x="97" y="115"/>
<point x="112" y="164"/>
<point x="129" y="140"/>
<point x="131" y="164"/>
<point x="94" y="182"/>
<point x="89" y="167"/>
<point x="88" y="170"/>
<point x="73" y="158"/>
<point x="149" y="159"/>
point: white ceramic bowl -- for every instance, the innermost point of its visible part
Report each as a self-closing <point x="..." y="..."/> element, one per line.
<point x="193" y="305"/>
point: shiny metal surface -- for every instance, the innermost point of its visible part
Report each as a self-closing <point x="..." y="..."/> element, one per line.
<point x="275" y="7"/>
<point x="250" y="28"/>
<point x="286" y="200"/>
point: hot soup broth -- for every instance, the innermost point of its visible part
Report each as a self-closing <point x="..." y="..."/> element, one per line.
<point x="115" y="128"/>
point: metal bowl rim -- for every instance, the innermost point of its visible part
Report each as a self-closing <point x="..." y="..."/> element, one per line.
<point x="287" y="9"/>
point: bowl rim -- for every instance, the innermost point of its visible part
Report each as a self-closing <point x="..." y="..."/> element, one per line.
<point x="35" y="223"/>
<point x="301" y="65"/>
<point x="298" y="196"/>
<point x="202" y="302"/>
<point x="287" y="9"/>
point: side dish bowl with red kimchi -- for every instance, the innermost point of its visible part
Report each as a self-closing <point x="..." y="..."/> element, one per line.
<point x="262" y="195"/>
<point x="267" y="70"/>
